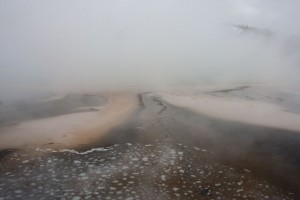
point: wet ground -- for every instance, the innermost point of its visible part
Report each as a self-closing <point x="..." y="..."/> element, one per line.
<point x="162" y="152"/>
<point x="131" y="171"/>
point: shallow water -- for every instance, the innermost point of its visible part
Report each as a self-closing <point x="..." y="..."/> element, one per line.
<point x="130" y="171"/>
<point x="162" y="152"/>
<point x="12" y="112"/>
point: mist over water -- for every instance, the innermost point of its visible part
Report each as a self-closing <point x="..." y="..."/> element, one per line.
<point x="80" y="46"/>
<point x="139" y="99"/>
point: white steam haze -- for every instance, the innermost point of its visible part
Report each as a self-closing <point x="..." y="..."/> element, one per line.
<point x="73" y="45"/>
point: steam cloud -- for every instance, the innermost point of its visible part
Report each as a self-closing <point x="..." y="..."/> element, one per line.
<point x="89" y="45"/>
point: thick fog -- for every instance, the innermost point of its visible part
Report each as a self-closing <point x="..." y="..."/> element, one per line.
<point x="90" y="45"/>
